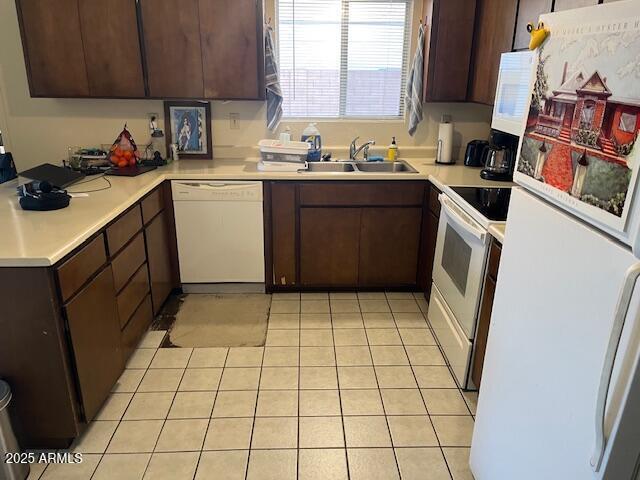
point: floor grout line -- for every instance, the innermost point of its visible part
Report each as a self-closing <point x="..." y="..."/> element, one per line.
<point x="335" y="354"/>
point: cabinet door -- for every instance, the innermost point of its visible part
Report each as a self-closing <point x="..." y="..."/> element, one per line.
<point x="159" y="259"/>
<point x="482" y="333"/>
<point x="171" y="31"/>
<point x="389" y="244"/>
<point x="431" y="227"/>
<point x="495" y="23"/>
<point x="92" y="316"/>
<point x="52" y="42"/>
<point x="112" y="46"/>
<point x="232" y="57"/>
<point x="283" y="233"/>
<point x="448" y="28"/>
<point x="528" y="12"/>
<point x="329" y="239"/>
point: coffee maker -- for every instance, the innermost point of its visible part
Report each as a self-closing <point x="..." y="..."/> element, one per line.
<point x="499" y="157"/>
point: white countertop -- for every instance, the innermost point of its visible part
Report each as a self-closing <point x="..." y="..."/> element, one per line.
<point x="32" y="239"/>
<point x="497" y="231"/>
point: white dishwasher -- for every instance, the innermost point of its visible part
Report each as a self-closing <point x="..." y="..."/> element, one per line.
<point x="220" y="233"/>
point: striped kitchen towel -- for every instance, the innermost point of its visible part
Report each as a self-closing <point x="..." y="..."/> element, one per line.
<point x="413" y="92"/>
<point x="272" y="81"/>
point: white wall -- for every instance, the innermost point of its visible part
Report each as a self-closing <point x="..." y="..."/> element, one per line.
<point x="40" y="130"/>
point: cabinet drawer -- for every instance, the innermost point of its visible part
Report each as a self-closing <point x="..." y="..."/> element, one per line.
<point x="123" y="229"/>
<point x="360" y="193"/>
<point x="494" y="260"/>
<point x="136" y="327"/>
<point x="152" y="205"/>
<point x="128" y="261"/>
<point x="131" y="296"/>
<point x="74" y="273"/>
<point x="434" y="203"/>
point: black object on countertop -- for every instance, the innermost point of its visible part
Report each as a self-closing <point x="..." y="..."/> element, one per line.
<point x="58" y="177"/>
<point x="492" y="203"/>
<point x="474" y="155"/>
<point x="130" y="171"/>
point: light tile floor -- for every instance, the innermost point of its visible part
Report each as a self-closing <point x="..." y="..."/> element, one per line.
<point x="348" y="386"/>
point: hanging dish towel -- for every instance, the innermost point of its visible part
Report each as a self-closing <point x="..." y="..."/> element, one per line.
<point x="272" y="81"/>
<point x="413" y="92"/>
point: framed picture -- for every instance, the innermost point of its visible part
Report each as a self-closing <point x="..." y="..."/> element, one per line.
<point x="188" y="125"/>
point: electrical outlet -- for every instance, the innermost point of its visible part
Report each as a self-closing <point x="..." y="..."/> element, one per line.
<point x="234" y="121"/>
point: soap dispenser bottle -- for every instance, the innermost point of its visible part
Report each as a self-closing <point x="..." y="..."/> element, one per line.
<point x="392" y="152"/>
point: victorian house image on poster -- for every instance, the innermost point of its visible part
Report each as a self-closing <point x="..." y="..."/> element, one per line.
<point x="581" y="122"/>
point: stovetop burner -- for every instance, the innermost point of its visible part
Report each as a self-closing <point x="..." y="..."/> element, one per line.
<point x="492" y="203"/>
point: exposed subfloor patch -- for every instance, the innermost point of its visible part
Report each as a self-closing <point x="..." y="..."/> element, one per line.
<point x="227" y="320"/>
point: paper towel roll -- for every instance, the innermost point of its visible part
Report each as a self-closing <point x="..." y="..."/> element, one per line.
<point x="445" y="143"/>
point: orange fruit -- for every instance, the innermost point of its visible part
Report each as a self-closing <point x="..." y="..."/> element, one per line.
<point x="127" y="154"/>
<point x="122" y="163"/>
<point x="118" y="152"/>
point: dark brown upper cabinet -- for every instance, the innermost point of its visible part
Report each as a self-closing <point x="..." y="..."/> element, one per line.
<point x="81" y="48"/>
<point x="53" y="52"/>
<point x="232" y="51"/>
<point x="494" y="29"/>
<point x="171" y="31"/>
<point x="112" y="48"/>
<point x="447" y="49"/>
<point x="192" y="49"/>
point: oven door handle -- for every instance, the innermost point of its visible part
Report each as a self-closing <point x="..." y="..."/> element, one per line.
<point x="454" y="214"/>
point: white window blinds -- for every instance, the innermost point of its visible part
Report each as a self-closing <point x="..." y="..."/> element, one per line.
<point x="343" y="58"/>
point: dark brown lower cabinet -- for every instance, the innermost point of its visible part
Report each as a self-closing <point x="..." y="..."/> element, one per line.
<point x="94" y="328"/>
<point x="389" y="244"/>
<point x="67" y="330"/>
<point x="484" y="319"/>
<point x="344" y="234"/>
<point x="159" y="259"/>
<point x="430" y="221"/>
<point x="329" y="241"/>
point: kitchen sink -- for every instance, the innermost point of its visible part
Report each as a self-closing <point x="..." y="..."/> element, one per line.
<point x="360" y="167"/>
<point x="385" y="167"/>
<point x="327" y="167"/>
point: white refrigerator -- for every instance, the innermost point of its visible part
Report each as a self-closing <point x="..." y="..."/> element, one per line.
<point x="560" y="392"/>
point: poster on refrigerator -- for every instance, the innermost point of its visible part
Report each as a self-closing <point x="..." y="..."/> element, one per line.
<point x="579" y="147"/>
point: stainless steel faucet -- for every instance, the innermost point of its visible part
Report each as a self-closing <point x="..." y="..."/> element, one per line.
<point x="353" y="151"/>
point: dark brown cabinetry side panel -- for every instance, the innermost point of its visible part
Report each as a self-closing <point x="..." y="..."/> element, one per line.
<point x="112" y="48"/>
<point x="448" y="42"/>
<point x="430" y="220"/>
<point x="53" y="49"/>
<point x="33" y="359"/>
<point x="94" y="328"/>
<point x="171" y="32"/>
<point x="494" y="29"/>
<point x="389" y="244"/>
<point x="283" y="233"/>
<point x="329" y="241"/>
<point x="484" y="318"/>
<point x="159" y="258"/>
<point x="232" y="58"/>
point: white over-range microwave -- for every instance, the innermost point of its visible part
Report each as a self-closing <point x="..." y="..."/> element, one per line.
<point x="511" y="105"/>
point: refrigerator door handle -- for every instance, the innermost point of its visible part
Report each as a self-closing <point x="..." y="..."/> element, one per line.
<point x="622" y="309"/>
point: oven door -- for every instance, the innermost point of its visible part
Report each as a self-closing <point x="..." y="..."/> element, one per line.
<point x="458" y="267"/>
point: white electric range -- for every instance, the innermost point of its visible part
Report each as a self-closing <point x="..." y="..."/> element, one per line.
<point x="459" y="268"/>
